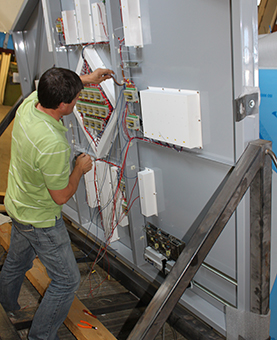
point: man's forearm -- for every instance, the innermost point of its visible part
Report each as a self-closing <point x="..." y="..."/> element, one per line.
<point x="62" y="196"/>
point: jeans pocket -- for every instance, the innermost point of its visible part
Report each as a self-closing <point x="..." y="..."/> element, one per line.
<point x="23" y="227"/>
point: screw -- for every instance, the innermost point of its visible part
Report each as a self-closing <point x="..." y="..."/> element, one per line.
<point x="251" y="104"/>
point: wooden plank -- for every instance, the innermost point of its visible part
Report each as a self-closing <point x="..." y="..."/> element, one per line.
<point x="7" y="330"/>
<point x="40" y="280"/>
<point x="5" y="235"/>
<point x="2" y="207"/>
<point x="267" y="15"/>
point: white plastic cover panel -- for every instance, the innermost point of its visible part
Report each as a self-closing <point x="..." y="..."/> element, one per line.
<point x="70" y="27"/>
<point x="172" y="116"/>
<point x="147" y="190"/>
<point x="132" y="22"/>
<point x="84" y="23"/>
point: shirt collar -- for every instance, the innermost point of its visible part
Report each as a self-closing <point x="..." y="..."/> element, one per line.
<point x="58" y="125"/>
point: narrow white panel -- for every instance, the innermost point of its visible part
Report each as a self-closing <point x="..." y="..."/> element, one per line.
<point x="90" y="187"/>
<point x="47" y="26"/>
<point x="123" y="219"/>
<point x="110" y="131"/>
<point x="105" y="193"/>
<point x="172" y="116"/>
<point x="95" y="62"/>
<point x="84" y="22"/>
<point x="132" y="22"/>
<point x="98" y="10"/>
<point x="147" y="191"/>
<point x="70" y="27"/>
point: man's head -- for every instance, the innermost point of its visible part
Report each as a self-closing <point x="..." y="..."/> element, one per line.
<point x="58" y="85"/>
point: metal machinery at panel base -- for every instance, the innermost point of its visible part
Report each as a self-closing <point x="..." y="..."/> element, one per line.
<point x="163" y="134"/>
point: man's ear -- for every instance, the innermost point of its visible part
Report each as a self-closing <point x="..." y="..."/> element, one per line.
<point x="62" y="106"/>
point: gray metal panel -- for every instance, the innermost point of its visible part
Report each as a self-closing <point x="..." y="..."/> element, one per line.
<point x="189" y="45"/>
<point x="191" y="49"/>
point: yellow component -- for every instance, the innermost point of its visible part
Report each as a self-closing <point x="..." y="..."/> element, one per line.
<point x="168" y="252"/>
<point x="156" y="245"/>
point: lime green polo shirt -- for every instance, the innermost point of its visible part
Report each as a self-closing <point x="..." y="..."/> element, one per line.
<point x="39" y="161"/>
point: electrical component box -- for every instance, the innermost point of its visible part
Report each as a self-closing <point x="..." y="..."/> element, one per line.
<point x="131" y="94"/>
<point x="147" y="191"/>
<point x="59" y="25"/>
<point x="94" y="123"/>
<point x="154" y="258"/>
<point x="132" y="122"/>
<point x="172" y="116"/>
<point x="164" y="243"/>
<point x="100" y="27"/>
<point x="70" y="27"/>
<point x="92" y="94"/>
<point x="132" y="26"/>
<point x="92" y="109"/>
<point x="85" y="23"/>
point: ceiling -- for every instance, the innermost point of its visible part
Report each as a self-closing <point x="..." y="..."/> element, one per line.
<point x="267" y="14"/>
<point x="8" y="13"/>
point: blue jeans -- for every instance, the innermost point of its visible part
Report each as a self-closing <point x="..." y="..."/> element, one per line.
<point x="53" y="247"/>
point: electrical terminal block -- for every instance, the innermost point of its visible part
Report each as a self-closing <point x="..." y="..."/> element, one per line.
<point x="59" y="25"/>
<point x="94" y="123"/>
<point x="132" y="122"/>
<point x="124" y="207"/>
<point x="131" y="94"/>
<point x="122" y="185"/>
<point x="89" y="109"/>
<point x="92" y="94"/>
<point x="164" y="243"/>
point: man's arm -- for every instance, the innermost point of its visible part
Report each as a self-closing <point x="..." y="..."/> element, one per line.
<point x="83" y="165"/>
<point x="96" y="77"/>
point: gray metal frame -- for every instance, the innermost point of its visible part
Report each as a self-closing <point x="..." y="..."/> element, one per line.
<point x="252" y="170"/>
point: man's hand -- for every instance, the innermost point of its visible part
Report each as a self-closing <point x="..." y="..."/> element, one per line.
<point x="96" y="77"/>
<point x="84" y="162"/>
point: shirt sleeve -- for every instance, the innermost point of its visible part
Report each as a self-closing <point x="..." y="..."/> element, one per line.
<point x="54" y="166"/>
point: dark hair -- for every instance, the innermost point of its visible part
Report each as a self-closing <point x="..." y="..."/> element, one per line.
<point x="58" y="85"/>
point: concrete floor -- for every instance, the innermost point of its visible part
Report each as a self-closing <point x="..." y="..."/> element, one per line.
<point x="5" y="149"/>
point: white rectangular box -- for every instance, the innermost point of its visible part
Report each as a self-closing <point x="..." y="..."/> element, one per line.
<point x="70" y="27"/>
<point x="84" y="23"/>
<point x="172" y="116"/>
<point x="147" y="192"/>
<point x="132" y="22"/>
<point x="100" y="27"/>
<point x="90" y="187"/>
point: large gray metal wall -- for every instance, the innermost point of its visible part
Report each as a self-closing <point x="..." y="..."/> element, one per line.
<point x="193" y="45"/>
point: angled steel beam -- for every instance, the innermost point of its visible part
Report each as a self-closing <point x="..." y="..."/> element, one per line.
<point x="260" y="237"/>
<point x="9" y="116"/>
<point x="202" y="240"/>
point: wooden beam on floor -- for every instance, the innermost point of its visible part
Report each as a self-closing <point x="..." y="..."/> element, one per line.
<point x="2" y="207"/>
<point x="40" y="280"/>
<point x="267" y="13"/>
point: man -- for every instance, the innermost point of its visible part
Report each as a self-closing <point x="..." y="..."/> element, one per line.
<point x="38" y="184"/>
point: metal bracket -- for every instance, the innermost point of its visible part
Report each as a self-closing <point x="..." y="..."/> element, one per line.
<point x="246" y="105"/>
